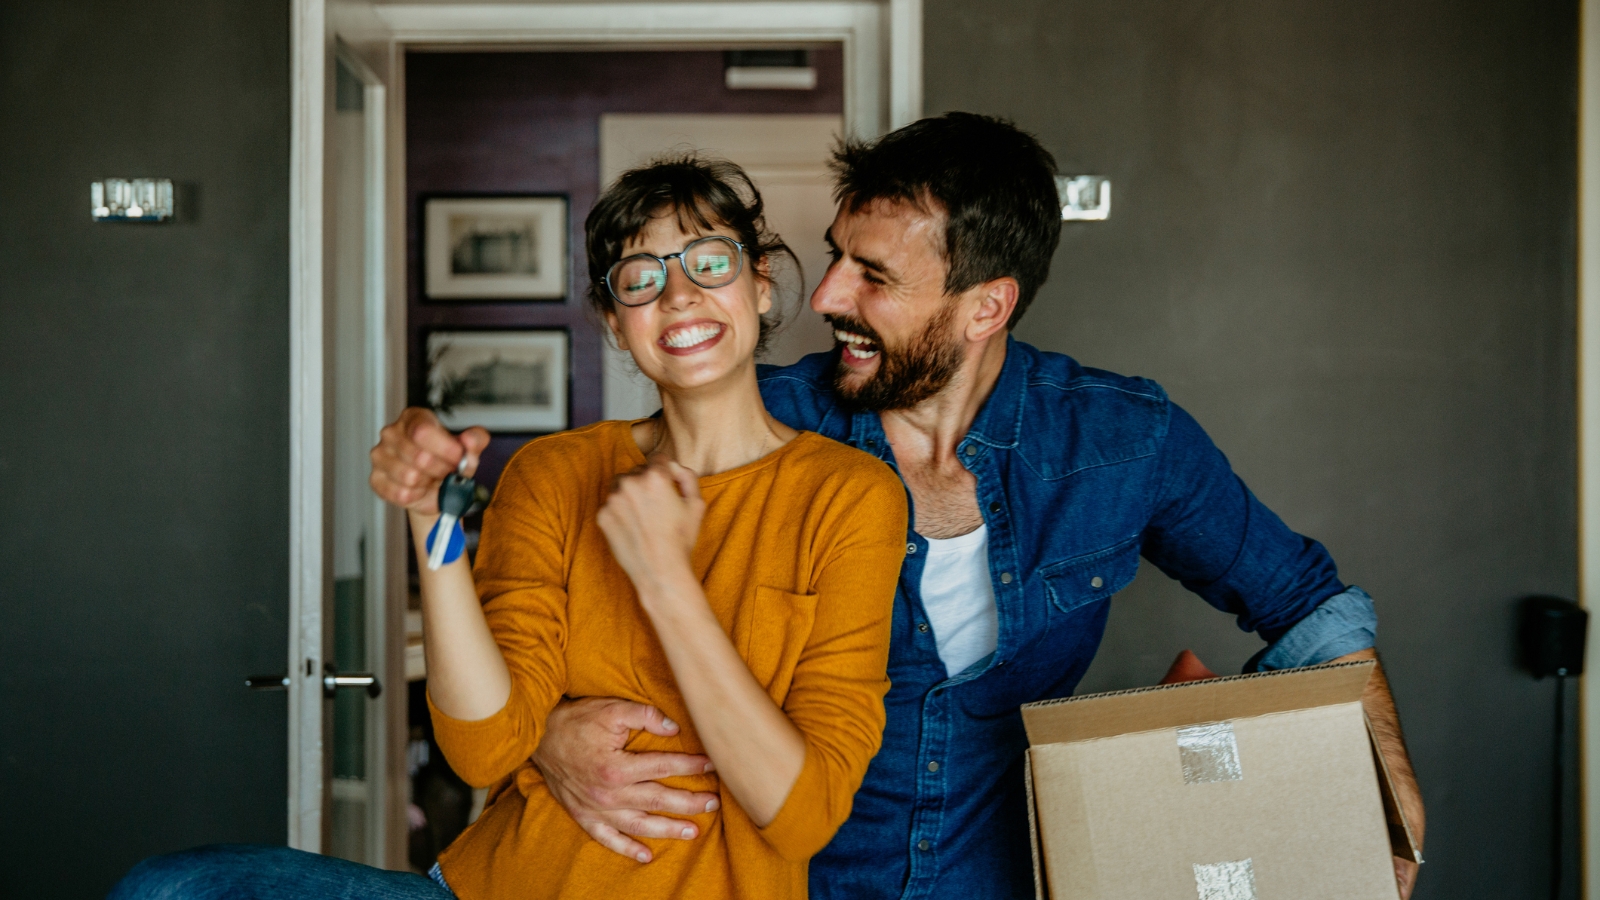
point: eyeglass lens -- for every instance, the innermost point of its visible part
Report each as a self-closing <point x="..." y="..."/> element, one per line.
<point x="709" y="262"/>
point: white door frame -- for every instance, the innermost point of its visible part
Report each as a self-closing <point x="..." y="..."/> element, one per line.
<point x="882" y="42"/>
<point x="308" y="495"/>
<point x="1589" y="430"/>
<point x="316" y="27"/>
<point x="882" y="38"/>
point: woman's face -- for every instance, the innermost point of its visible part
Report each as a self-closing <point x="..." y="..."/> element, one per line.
<point x="691" y="336"/>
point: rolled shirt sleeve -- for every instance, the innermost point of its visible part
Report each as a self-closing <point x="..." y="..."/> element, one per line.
<point x="1345" y="623"/>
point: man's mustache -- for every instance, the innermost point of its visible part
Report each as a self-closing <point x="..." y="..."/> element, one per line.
<point x="854" y="326"/>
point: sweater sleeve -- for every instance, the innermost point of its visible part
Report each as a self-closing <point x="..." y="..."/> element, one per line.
<point x="519" y="575"/>
<point x="836" y="697"/>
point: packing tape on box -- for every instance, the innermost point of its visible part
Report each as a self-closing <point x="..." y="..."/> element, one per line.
<point x="1209" y="753"/>
<point x="1234" y="880"/>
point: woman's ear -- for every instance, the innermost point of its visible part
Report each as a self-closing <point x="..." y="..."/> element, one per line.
<point x="616" y="330"/>
<point x="764" y="286"/>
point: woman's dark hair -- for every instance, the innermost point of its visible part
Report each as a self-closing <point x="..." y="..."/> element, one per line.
<point x="994" y="181"/>
<point x="702" y="193"/>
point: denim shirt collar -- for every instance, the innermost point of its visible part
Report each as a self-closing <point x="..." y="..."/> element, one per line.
<point x="999" y="420"/>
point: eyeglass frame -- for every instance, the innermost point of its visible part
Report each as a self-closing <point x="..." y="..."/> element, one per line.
<point x="682" y="264"/>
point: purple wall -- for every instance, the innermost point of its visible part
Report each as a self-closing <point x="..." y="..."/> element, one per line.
<point x="529" y="123"/>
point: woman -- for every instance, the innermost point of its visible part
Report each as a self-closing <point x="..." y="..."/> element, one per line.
<point x="711" y="562"/>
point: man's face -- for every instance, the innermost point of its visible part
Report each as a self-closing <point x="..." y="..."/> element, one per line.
<point x="884" y="296"/>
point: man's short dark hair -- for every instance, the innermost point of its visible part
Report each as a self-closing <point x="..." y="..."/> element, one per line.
<point x="994" y="181"/>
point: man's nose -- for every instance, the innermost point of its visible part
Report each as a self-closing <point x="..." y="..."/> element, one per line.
<point x="833" y="295"/>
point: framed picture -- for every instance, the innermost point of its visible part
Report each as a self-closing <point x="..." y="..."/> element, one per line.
<point x="502" y="380"/>
<point x="495" y="248"/>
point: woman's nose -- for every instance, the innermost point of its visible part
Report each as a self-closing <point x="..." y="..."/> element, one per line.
<point x="679" y="292"/>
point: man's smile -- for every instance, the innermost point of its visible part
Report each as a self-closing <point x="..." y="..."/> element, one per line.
<point x="855" y="345"/>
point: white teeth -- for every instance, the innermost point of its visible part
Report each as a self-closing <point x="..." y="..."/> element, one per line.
<point x="688" y="337"/>
<point x="856" y="345"/>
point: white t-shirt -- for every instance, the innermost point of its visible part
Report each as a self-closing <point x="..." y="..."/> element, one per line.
<point x="959" y="599"/>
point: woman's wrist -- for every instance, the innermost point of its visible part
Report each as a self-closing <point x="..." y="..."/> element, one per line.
<point x="422" y="526"/>
<point x="671" y="592"/>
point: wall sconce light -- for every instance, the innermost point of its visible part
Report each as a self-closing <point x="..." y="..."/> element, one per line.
<point x="131" y="200"/>
<point x="1084" y="198"/>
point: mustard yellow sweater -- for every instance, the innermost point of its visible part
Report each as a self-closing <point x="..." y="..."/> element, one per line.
<point x="799" y="553"/>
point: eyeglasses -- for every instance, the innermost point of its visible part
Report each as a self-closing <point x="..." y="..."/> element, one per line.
<point x="710" y="262"/>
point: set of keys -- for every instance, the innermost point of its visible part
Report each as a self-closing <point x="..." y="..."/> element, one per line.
<point x="459" y="497"/>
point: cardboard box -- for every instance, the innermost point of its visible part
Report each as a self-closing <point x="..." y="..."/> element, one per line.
<point x="1255" y="787"/>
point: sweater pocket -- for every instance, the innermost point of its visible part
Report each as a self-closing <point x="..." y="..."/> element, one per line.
<point x="770" y="631"/>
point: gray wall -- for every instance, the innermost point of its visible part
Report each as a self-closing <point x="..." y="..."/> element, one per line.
<point x="144" y="453"/>
<point x="1343" y="237"/>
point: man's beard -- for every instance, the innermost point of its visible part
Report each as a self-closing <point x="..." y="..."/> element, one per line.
<point x="906" y="375"/>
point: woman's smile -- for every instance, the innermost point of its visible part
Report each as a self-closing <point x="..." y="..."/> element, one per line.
<point x="693" y="336"/>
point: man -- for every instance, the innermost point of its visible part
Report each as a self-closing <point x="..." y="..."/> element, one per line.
<point x="1036" y="485"/>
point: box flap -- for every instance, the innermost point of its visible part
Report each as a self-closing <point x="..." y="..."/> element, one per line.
<point x="1401" y="840"/>
<point x="1194" y="702"/>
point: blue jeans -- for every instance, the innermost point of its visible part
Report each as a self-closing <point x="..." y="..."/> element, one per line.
<point x="249" y="872"/>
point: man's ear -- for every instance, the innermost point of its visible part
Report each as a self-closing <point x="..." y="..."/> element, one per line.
<point x="997" y="299"/>
<point x="616" y="332"/>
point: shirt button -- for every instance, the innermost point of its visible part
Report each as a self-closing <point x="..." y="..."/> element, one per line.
<point x="971" y="451"/>
<point x="1005" y="578"/>
<point x="911" y="548"/>
<point x="994" y="507"/>
<point x="923" y="845"/>
<point x="922" y="627"/>
<point x="933" y="767"/>
<point x="1096" y="581"/>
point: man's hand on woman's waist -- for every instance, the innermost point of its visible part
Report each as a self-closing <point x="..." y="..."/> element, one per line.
<point x="610" y="792"/>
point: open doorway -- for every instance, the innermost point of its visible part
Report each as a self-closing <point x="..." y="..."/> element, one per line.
<point x="877" y="46"/>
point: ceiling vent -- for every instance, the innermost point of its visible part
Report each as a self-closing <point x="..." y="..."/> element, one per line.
<point x="768" y="70"/>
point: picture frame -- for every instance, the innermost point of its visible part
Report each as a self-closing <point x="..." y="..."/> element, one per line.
<point x="505" y="381"/>
<point x="495" y="248"/>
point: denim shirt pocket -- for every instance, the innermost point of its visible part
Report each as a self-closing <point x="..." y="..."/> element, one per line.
<point x="1083" y="580"/>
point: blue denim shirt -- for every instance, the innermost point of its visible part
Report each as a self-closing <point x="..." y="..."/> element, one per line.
<point x="1080" y="472"/>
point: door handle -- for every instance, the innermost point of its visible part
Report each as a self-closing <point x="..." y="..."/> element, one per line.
<point x="331" y="682"/>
